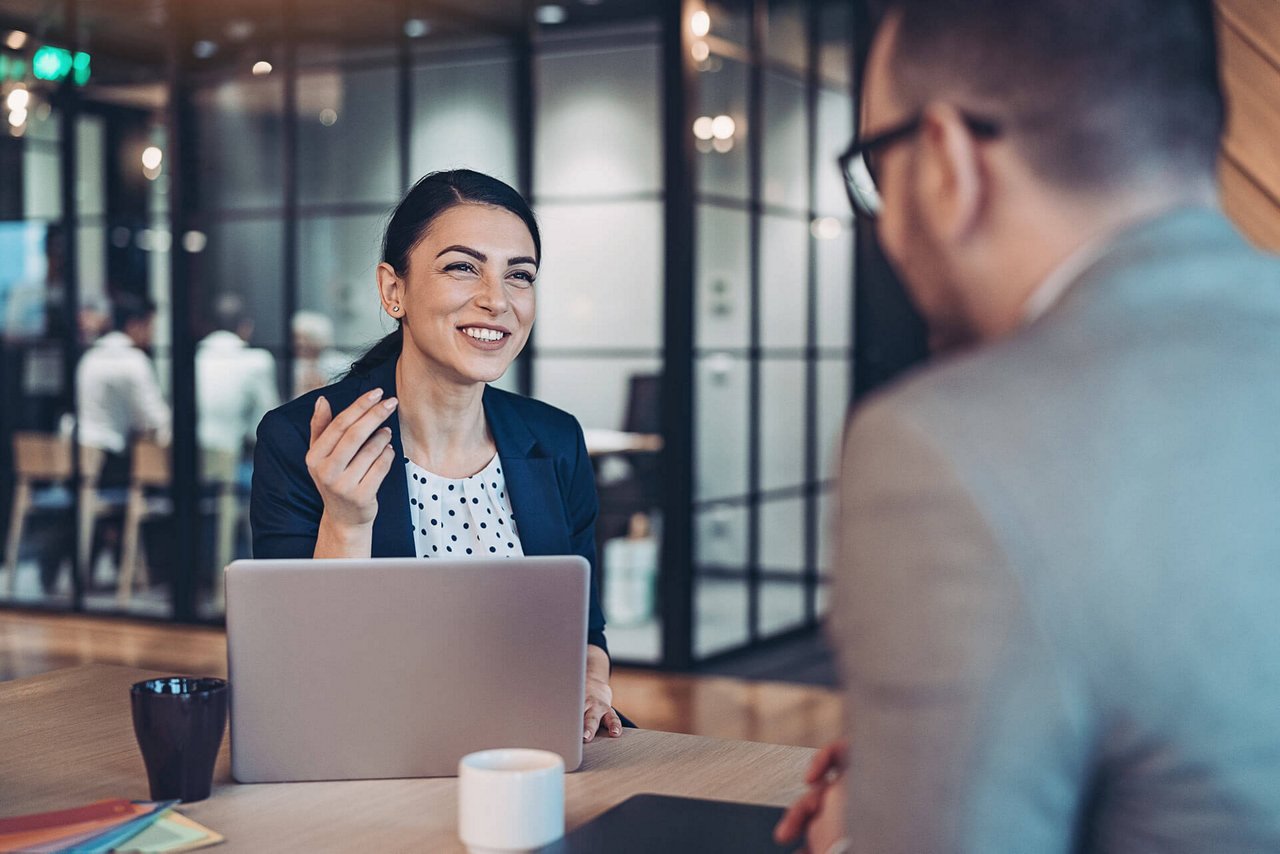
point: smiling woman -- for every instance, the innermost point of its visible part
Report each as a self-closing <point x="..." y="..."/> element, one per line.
<point x="412" y="454"/>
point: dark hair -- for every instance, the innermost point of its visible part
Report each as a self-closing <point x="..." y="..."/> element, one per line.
<point x="1092" y="93"/>
<point x="431" y="196"/>
<point x="229" y="312"/>
<point x="128" y="307"/>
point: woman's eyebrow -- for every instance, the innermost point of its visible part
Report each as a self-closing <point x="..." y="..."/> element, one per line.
<point x="465" y="250"/>
<point x="522" y="259"/>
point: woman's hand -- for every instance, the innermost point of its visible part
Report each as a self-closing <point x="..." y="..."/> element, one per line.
<point x="817" y="815"/>
<point x="599" y="713"/>
<point x="348" y="459"/>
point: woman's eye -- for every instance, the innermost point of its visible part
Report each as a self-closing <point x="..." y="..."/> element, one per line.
<point x="461" y="266"/>
<point x="523" y="278"/>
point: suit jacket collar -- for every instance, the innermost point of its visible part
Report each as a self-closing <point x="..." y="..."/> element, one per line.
<point x="1186" y="231"/>
<point x="530" y="476"/>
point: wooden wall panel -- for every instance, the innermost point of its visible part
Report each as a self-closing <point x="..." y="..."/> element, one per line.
<point x="1254" y="211"/>
<point x="1249" y="33"/>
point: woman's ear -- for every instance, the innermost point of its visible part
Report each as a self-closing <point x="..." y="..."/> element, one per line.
<point x="391" y="291"/>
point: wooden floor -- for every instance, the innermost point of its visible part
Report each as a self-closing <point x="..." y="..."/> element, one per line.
<point x="775" y="712"/>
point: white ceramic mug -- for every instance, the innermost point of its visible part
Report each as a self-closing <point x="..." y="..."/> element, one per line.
<point x="510" y="800"/>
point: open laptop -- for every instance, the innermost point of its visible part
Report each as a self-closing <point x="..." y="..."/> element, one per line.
<point x="356" y="669"/>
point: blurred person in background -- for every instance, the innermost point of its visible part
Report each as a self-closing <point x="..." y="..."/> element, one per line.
<point x="315" y="362"/>
<point x="118" y="399"/>
<point x="236" y="384"/>
<point x="1058" y="569"/>
<point x="117" y="394"/>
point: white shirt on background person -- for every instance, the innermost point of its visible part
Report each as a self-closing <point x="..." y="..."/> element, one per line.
<point x="235" y="387"/>
<point x="118" y="395"/>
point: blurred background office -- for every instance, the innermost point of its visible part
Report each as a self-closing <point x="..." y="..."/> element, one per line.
<point x="707" y="307"/>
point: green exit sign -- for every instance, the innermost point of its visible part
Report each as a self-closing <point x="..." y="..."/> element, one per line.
<point x="55" y="64"/>
<point x="12" y="69"/>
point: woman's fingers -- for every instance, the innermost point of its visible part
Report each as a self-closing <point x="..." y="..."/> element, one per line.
<point x="612" y="723"/>
<point x="357" y="433"/>
<point x="364" y="460"/>
<point x="320" y="418"/>
<point x="322" y="445"/>
<point x="591" y="721"/>
<point x="378" y="471"/>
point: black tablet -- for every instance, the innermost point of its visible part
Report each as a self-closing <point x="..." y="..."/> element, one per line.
<point x="644" y="824"/>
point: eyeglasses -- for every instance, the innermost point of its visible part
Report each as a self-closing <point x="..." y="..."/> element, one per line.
<point x="858" y="163"/>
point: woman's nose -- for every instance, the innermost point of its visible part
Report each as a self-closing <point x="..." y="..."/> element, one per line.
<point x="493" y="295"/>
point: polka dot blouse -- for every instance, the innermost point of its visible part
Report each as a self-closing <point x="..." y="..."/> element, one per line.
<point x="469" y="517"/>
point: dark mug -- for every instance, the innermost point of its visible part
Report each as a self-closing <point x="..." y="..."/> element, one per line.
<point x="179" y="722"/>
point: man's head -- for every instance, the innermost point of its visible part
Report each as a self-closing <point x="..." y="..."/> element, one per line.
<point x="1041" y="124"/>
<point x="229" y="315"/>
<point x="134" y="315"/>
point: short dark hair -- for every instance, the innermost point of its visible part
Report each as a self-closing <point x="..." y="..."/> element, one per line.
<point x="434" y="194"/>
<point x="127" y="308"/>
<point x="1093" y="93"/>
<point x="229" y="312"/>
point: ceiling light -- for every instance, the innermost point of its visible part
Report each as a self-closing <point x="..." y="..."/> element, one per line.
<point x="416" y="28"/>
<point x="17" y="118"/>
<point x="700" y="23"/>
<point x="152" y="157"/>
<point x="18" y="99"/>
<point x="702" y="127"/>
<point x="723" y="127"/>
<point x="551" y="14"/>
<point x="261" y="68"/>
<point x="825" y="228"/>
<point x="328" y="117"/>
<point x="239" y="29"/>
<point x="204" y="49"/>
<point x="16" y="40"/>
<point x="194" y="241"/>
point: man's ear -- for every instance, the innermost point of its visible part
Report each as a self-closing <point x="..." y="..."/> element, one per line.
<point x="951" y="180"/>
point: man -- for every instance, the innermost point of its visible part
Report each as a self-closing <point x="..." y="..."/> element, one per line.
<point x="117" y="393"/>
<point x="118" y="399"/>
<point x="235" y="384"/>
<point x="1058" y="583"/>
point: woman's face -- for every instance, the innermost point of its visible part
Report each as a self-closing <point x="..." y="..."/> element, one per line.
<point x="467" y="300"/>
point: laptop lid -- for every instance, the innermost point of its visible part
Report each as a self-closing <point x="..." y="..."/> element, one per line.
<point x="356" y="669"/>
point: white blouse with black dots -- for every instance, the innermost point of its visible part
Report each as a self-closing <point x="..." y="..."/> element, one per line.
<point x="468" y="517"/>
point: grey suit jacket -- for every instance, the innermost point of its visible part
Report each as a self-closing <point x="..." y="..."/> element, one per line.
<point x="1058" y="585"/>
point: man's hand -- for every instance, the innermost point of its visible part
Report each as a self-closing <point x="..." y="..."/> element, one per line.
<point x="818" y="814"/>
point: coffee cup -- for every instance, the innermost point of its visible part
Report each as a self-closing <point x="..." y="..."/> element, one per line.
<point x="510" y="800"/>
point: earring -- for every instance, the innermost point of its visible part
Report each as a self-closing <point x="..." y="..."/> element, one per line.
<point x="395" y="308"/>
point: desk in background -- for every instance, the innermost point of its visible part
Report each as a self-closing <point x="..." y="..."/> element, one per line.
<point x="67" y="739"/>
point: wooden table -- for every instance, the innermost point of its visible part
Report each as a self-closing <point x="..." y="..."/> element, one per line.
<point x="66" y="738"/>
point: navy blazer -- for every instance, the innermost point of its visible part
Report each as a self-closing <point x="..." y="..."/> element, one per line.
<point x="544" y="459"/>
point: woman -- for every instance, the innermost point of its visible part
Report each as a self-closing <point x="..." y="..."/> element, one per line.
<point x="369" y="466"/>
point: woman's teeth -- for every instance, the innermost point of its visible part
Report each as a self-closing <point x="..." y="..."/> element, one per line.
<point x="483" y="334"/>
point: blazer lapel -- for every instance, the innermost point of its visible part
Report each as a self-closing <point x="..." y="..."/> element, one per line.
<point x="536" y="503"/>
<point x="392" y="527"/>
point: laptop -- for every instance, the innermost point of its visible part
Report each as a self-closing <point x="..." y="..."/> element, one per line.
<point x="646" y="823"/>
<point x="360" y="669"/>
